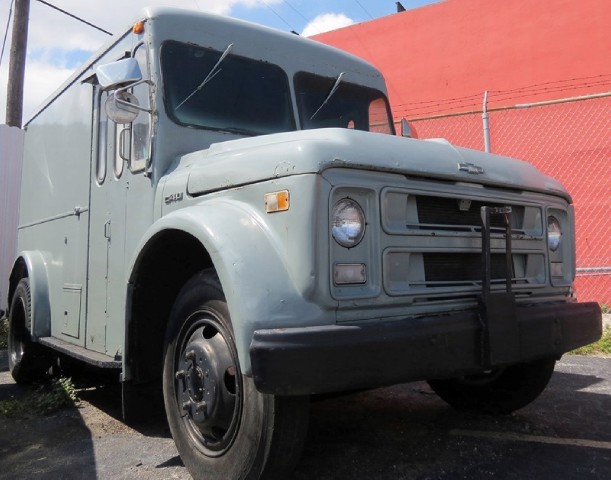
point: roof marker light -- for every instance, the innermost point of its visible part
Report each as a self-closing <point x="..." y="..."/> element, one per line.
<point x="138" y="27"/>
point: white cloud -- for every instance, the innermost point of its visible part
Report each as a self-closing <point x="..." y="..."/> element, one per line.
<point x="53" y="36"/>
<point x="326" y="22"/>
<point x="53" y="29"/>
<point x="41" y="81"/>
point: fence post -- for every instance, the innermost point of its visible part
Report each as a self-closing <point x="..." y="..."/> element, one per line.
<point x="486" y="123"/>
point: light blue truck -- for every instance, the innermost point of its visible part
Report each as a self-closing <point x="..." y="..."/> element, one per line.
<point x="223" y="213"/>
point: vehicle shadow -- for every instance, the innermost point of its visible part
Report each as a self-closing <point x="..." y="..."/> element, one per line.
<point x="406" y="431"/>
<point x="63" y="444"/>
<point x="58" y="445"/>
<point x="399" y="432"/>
<point x="105" y="394"/>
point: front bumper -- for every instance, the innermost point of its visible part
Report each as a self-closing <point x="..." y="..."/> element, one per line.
<point x="311" y="360"/>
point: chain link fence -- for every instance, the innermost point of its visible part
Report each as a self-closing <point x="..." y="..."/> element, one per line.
<point x="568" y="139"/>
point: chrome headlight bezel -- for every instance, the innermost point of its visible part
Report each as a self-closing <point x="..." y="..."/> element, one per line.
<point x="347" y="222"/>
<point x="554" y="233"/>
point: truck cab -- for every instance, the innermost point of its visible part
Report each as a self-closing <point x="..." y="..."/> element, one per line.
<point x="223" y="213"/>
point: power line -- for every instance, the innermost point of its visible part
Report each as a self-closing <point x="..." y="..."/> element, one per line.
<point x="364" y="9"/>
<point x="75" y="17"/>
<point x="277" y="14"/>
<point x="442" y="107"/>
<point x="537" y="86"/>
<point x="298" y="12"/>
<point x="8" y="22"/>
<point x="519" y="92"/>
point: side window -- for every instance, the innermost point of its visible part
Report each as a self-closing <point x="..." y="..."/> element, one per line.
<point x="378" y="117"/>
<point x="101" y="136"/>
<point x="118" y="159"/>
<point x="141" y="126"/>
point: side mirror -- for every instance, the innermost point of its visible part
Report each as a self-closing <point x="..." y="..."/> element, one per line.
<point x="122" y="107"/>
<point x="407" y="129"/>
<point x="118" y="74"/>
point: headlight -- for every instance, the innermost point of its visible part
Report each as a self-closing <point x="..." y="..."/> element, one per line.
<point x="347" y="223"/>
<point x="554" y="233"/>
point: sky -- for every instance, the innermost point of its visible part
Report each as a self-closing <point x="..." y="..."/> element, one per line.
<point x="58" y="44"/>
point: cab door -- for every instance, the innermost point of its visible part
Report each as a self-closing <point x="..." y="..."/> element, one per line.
<point x="121" y="207"/>
<point x="107" y="226"/>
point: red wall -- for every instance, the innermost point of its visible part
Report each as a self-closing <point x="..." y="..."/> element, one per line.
<point x="457" y="49"/>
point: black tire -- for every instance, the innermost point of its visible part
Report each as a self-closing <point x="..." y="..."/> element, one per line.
<point x="222" y="426"/>
<point x="26" y="360"/>
<point x="499" y="391"/>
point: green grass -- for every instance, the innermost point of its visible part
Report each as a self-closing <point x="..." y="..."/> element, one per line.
<point x="602" y="347"/>
<point x="3" y="333"/>
<point x="42" y="399"/>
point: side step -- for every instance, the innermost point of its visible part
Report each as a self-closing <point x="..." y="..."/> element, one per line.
<point x="93" y="358"/>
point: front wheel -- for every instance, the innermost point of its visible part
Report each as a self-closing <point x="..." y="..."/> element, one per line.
<point x="223" y="427"/>
<point x="27" y="360"/>
<point x="502" y="390"/>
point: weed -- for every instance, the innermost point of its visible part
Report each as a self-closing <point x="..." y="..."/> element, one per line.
<point x="3" y="334"/>
<point x="42" y="399"/>
<point x="602" y="347"/>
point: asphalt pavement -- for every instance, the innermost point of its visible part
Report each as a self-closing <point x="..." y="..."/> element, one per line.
<point x="399" y="432"/>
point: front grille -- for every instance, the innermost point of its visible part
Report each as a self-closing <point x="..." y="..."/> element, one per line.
<point x="432" y="243"/>
<point x="460" y="214"/>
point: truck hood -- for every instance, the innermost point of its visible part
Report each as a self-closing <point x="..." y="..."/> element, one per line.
<point x="241" y="162"/>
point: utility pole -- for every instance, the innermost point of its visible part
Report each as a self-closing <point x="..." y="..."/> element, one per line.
<point x="16" y="72"/>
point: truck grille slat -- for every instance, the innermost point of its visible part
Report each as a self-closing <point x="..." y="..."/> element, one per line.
<point x="451" y="213"/>
<point x="460" y="267"/>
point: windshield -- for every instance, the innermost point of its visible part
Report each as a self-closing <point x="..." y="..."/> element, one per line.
<point x="332" y="102"/>
<point x="216" y="90"/>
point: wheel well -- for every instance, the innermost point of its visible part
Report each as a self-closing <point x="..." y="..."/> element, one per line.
<point x="20" y="270"/>
<point x="169" y="259"/>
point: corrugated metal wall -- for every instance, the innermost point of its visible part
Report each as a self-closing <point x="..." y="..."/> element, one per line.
<point x="11" y="149"/>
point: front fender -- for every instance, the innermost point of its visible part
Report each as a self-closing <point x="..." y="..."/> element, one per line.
<point x="251" y="262"/>
<point x="36" y="266"/>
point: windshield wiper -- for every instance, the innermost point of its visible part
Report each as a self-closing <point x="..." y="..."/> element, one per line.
<point x="213" y="73"/>
<point x="330" y="94"/>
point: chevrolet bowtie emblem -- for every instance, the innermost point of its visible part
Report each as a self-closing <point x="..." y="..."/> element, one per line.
<point x="470" y="168"/>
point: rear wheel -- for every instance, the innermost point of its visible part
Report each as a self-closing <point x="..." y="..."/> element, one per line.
<point x="501" y="390"/>
<point x="223" y="427"/>
<point x="27" y="360"/>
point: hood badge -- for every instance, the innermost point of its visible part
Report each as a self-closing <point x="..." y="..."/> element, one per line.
<point x="174" y="197"/>
<point x="470" y="168"/>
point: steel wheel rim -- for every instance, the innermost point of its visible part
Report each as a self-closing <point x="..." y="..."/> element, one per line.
<point x="207" y="382"/>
